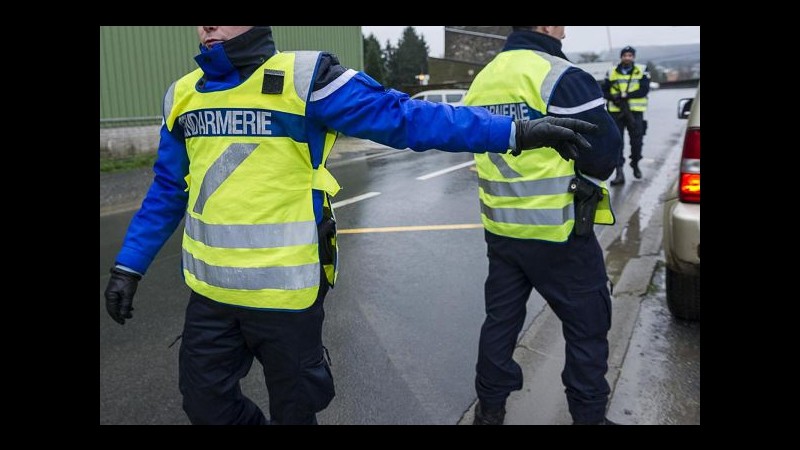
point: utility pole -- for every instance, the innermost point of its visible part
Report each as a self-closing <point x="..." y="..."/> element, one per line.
<point x="608" y="35"/>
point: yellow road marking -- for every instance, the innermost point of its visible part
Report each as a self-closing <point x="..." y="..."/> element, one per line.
<point x="462" y="226"/>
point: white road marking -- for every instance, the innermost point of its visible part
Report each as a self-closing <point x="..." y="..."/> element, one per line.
<point x="444" y="171"/>
<point x="357" y="198"/>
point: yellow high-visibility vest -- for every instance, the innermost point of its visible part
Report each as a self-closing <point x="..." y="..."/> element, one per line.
<point x="627" y="83"/>
<point x="250" y="237"/>
<point x="526" y="196"/>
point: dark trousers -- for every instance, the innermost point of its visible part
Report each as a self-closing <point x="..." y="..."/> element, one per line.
<point x="571" y="276"/>
<point x="635" y="134"/>
<point x="218" y="347"/>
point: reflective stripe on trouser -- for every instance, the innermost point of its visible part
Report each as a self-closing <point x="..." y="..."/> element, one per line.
<point x="571" y="276"/>
<point x="218" y="346"/>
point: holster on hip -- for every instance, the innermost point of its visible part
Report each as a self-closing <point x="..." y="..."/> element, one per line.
<point x="327" y="237"/>
<point x="587" y="196"/>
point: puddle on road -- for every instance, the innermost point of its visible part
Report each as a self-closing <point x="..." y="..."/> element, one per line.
<point x="648" y="194"/>
<point x="625" y="247"/>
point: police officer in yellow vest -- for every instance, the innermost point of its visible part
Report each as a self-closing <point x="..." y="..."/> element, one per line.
<point x="242" y="159"/>
<point x="626" y="87"/>
<point x="538" y="211"/>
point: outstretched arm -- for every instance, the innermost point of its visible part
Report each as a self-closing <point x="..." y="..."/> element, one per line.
<point x="353" y="103"/>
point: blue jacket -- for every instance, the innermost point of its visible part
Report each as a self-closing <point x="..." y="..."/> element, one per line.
<point x="579" y="96"/>
<point x="342" y="99"/>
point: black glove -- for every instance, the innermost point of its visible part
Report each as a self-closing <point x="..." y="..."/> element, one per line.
<point x="615" y="99"/>
<point x="558" y="132"/>
<point x="119" y="294"/>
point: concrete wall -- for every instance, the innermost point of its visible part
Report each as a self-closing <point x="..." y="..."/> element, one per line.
<point x="129" y="141"/>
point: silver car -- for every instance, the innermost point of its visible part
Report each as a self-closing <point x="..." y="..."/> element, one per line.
<point x="682" y="221"/>
<point x="450" y="96"/>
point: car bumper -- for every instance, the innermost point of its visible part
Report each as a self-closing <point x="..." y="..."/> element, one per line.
<point x="682" y="236"/>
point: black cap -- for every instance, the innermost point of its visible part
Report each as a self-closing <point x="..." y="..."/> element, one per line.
<point x="627" y="49"/>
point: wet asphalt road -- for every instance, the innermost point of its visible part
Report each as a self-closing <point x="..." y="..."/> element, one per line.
<point x="660" y="381"/>
<point x="402" y="323"/>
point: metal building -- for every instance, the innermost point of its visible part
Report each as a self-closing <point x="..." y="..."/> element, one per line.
<point x="138" y="63"/>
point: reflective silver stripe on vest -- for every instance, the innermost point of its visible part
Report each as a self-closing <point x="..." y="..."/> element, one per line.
<point x="594" y="180"/>
<point x="333" y="86"/>
<point x="547" y="186"/>
<point x="503" y="166"/>
<point x="577" y="109"/>
<point x="220" y="170"/>
<point x="530" y="216"/>
<point x="168" y="99"/>
<point x="252" y="278"/>
<point x="557" y="68"/>
<point x="304" y="64"/>
<point x="270" y="235"/>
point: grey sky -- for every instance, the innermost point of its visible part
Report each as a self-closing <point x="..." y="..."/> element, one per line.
<point x="579" y="38"/>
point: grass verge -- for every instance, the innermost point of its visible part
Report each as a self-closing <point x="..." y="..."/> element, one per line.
<point x="122" y="164"/>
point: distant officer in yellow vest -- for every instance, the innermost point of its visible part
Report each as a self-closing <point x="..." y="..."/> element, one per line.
<point x="538" y="211"/>
<point x="242" y="159"/>
<point x="626" y="87"/>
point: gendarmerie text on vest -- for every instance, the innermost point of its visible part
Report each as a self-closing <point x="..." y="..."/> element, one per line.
<point x="226" y="122"/>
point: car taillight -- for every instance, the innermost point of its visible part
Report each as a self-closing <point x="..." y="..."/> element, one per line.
<point x="689" y="189"/>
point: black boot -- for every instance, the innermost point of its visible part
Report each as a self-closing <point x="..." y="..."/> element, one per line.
<point x="636" y="172"/>
<point x="487" y="416"/>
<point x="620" y="178"/>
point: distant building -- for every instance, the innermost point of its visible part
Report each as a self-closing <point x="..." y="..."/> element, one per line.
<point x="451" y="72"/>
<point x="474" y="44"/>
<point x="468" y="49"/>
